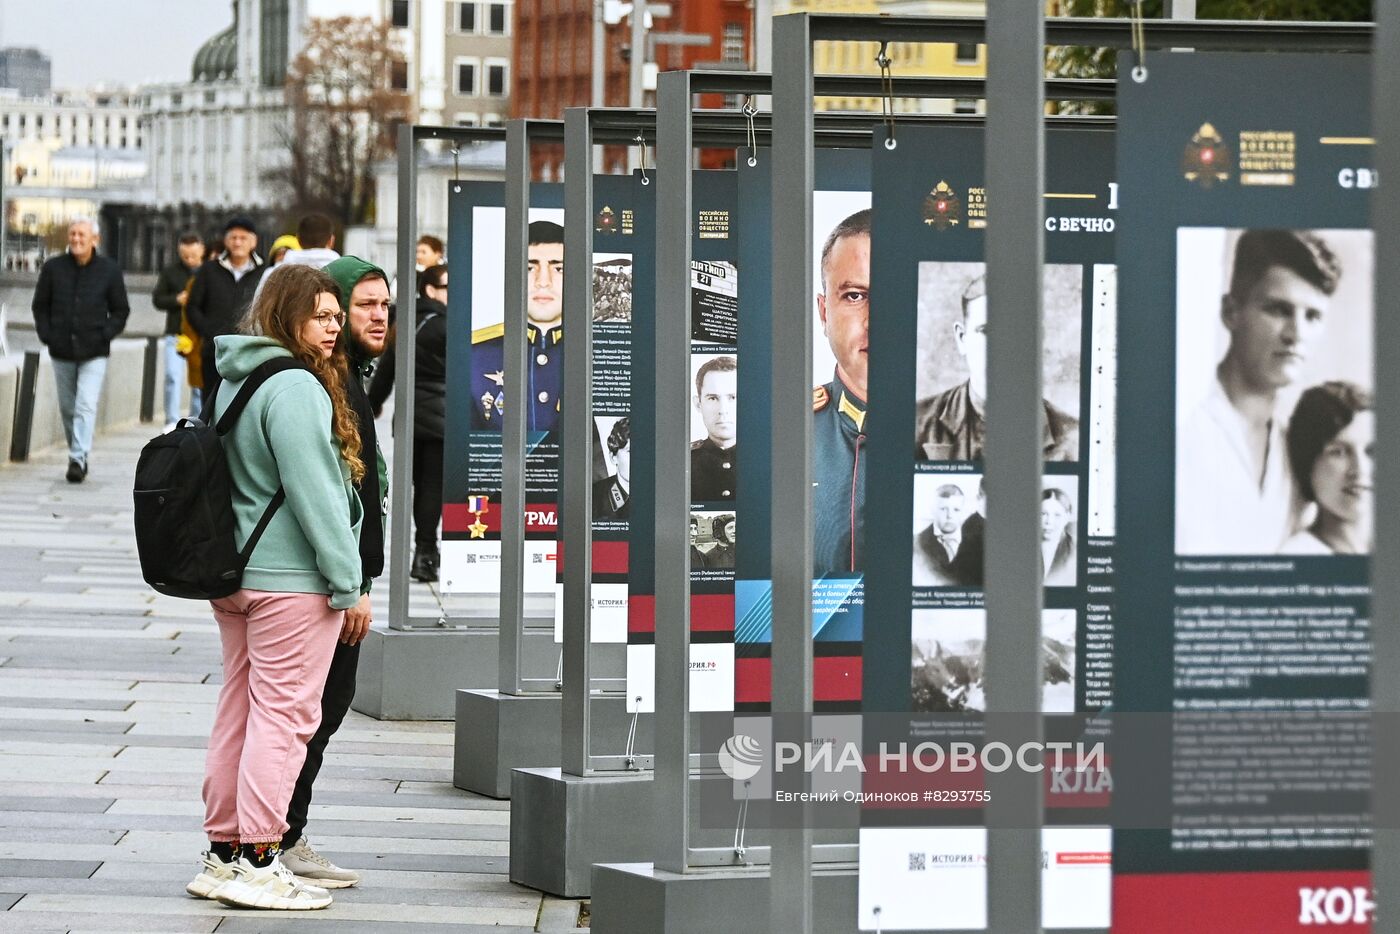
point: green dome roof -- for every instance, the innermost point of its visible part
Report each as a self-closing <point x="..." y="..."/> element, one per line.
<point x="217" y="58"/>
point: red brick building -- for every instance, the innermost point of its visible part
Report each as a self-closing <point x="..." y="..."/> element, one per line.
<point x="553" y="57"/>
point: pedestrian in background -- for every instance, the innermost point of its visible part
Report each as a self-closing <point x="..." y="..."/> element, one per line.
<point x="429" y="413"/>
<point x="223" y="290"/>
<point x="79" y="306"/>
<point x="171" y="292"/>
<point x="281" y="247"/>
<point x="430" y="251"/>
<point x="301" y="588"/>
<point x="313" y="245"/>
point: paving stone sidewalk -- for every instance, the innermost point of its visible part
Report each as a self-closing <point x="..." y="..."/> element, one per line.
<point x="107" y="694"/>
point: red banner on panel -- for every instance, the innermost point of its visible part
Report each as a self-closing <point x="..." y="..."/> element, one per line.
<point x="1242" y="902"/>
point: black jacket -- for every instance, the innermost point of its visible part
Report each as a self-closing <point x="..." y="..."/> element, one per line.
<point x="371" y="496"/>
<point x="166" y="297"/>
<point x="217" y="302"/>
<point x="430" y="373"/>
<point x="79" y="309"/>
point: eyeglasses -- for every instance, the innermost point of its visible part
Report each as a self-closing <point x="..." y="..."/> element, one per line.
<point x="324" y="320"/>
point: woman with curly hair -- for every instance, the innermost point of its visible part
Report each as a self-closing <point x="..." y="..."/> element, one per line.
<point x="298" y="435"/>
<point x="1330" y="440"/>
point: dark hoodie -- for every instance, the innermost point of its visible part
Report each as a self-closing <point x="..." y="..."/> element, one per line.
<point x="348" y="271"/>
<point x="430" y="373"/>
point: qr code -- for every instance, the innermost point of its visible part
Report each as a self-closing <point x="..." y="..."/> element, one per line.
<point x="918" y="862"/>
<point x="471" y="559"/>
<point x="537" y="559"/>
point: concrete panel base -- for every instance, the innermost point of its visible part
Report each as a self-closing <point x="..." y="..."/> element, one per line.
<point x="637" y="898"/>
<point x="560" y="825"/>
<point x="414" y="674"/>
<point x="499" y="732"/>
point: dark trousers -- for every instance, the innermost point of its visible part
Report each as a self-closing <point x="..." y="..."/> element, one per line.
<point x="335" y="704"/>
<point x="427" y="492"/>
<point x="206" y="363"/>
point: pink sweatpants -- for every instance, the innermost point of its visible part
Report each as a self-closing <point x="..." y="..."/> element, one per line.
<point x="277" y="650"/>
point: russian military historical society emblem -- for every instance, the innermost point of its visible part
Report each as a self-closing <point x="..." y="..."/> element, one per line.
<point x="1207" y="161"/>
<point x="942" y="207"/>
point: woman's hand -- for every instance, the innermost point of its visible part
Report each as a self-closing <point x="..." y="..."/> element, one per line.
<point x="357" y="620"/>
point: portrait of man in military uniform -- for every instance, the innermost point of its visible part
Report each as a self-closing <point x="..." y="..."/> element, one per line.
<point x="544" y="331"/>
<point x="712" y="540"/>
<point x="951" y="425"/>
<point x="722" y="555"/>
<point x="612" y="495"/>
<point x="713" y="460"/>
<point x="838" y="420"/>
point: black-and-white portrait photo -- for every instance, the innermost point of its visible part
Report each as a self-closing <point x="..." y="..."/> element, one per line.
<point x="949" y="518"/>
<point x="948" y="660"/>
<point x="612" y="484"/>
<point x="714" y="426"/>
<point x="612" y="287"/>
<point x="712" y="540"/>
<point x="950" y="422"/>
<point x="1274" y="419"/>
<point x="1059" y="511"/>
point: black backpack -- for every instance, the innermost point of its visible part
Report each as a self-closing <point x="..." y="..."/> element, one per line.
<point x="184" y="509"/>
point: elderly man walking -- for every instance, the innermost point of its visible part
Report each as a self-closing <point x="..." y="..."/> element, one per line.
<point x="80" y="305"/>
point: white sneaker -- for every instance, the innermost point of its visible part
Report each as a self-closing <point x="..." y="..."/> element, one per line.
<point x="272" y="886"/>
<point x="211" y="878"/>
<point x="309" y="866"/>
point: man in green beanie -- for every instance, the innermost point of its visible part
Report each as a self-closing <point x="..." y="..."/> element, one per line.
<point x="364" y="296"/>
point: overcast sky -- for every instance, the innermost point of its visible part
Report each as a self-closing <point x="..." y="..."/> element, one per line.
<point x="128" y="41"/>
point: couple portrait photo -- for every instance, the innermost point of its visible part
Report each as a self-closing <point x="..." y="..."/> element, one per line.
<point x="1275" y="421"/>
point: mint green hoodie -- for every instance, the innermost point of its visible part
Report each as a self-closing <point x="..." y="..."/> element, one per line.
<point x="284" y="438"/>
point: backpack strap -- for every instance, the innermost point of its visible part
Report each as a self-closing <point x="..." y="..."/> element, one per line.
<point x="250" y="385"/>
<point x="278" y="499"/>
<point x="426" y="318"/>
<point x="240" y="402"/>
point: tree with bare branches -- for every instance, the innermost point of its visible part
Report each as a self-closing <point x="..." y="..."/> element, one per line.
<point x="345" y="111"/>
<point x="1079" y="62"/>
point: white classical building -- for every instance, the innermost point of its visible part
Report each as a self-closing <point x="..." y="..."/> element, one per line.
<point x="212" y="141"/>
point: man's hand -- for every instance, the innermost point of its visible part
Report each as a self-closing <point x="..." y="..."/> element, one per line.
<point x="357" y="620"/>
<point x="183" y="297"/>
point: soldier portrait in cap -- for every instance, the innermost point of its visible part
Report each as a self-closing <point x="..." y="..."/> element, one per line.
<point x="612" y="494"/>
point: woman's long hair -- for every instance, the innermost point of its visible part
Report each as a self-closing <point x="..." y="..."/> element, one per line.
<point x="286" y="302"/>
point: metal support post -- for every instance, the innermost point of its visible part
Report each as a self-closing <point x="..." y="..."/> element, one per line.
<point x="576" y="456"/>
<point x="1015" y="251"/>
<point x="1385" y="562"/>
<point x="672" y="496"/>
<point x="514" y="366"/>
<point x="599" y="42"/>
<point x="400" y="486"/>
<point x="637" y="65"/>
<point x="791" y="442"/>
<point x="150" y="378"/>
